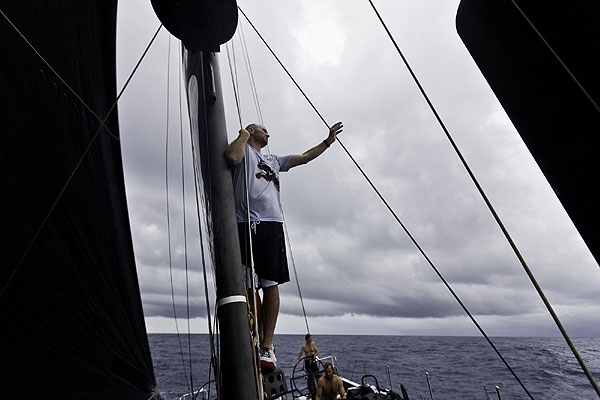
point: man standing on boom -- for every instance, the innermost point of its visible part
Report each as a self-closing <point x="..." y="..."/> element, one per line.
<point x="266" y="220"/>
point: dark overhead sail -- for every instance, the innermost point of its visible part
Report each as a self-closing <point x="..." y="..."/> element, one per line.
<point x="541" y="62"/>
<point x="199" y="24"/>
<point x="70" y="308"/>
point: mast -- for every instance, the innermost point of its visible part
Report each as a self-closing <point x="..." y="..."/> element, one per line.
<point x="209" y="133"/>
<point x="203" y="27"/>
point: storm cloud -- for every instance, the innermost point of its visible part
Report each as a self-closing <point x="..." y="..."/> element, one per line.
<point x="358" y="270"/>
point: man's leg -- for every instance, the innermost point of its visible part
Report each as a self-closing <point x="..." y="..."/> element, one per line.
<point x="270" y="311"/>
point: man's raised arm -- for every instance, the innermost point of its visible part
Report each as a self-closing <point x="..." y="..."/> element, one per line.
<point x="234" y="152"/>
<point x="311" y="154"/>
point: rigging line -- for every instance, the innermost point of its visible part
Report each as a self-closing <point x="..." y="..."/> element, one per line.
<point x="257" y="105"/>
<point x="438" y="273"/>
<point x="77" y="165"/>
<point x="217" y="377"/>
<point x="235" y="91"/>
<point x="214" y="333"/>
<point x="169" y="218"/>
<point x="235" y="72"/>
<point x="87" y="107"/>
<point x="392" y="211"/>
<point x="249" y="250"/>
<point x="249" y="238"/>
<point x="557" y="57"/>
<point x="283" y="66"/>
<point x="252" y="81"/>
<point x="287" y="236"/>
<point x="213" y="363"/>
<point x="493" y="211"/>
<point x="185" y="251"/>
<point x="246" y="55"/>
<point x="204" y="272"/>
<point x="237" y="82"/>
<point x="258" y="110"/>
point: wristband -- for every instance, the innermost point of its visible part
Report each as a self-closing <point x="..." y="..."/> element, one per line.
<point x="325" y="143"/>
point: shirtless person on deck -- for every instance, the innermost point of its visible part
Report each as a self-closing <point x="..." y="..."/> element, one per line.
<point x="330" y="385"/>
<point x="309" y="349"/>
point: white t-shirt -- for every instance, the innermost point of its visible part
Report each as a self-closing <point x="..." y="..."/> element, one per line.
<point x="263" y="186"/>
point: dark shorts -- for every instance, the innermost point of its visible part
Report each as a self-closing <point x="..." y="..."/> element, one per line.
<point x="310" y="365"/>
<point x="268" y="249"/>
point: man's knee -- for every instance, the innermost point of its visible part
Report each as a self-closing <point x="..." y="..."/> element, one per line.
<point x="271" y="292"/>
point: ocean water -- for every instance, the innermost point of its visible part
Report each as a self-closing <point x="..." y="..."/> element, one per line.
<point x="458" y="367"/>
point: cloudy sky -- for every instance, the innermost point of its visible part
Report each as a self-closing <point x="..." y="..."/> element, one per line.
<point x="358" y="270"/>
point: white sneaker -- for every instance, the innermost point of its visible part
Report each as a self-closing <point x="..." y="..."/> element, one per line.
<point x="268" y="361"/>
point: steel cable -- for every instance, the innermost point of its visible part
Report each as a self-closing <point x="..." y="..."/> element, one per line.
<point x="169" y="212"/>
<point x="493" y="211"/>
<point x="249" y="248"/>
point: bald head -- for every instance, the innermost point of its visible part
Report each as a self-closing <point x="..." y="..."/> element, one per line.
<point x="252" y="127"/>
<point x="259" y="137"/>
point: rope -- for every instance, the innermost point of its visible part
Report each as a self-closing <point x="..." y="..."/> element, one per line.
<point x="557" y="57"/>
<point x="235" y="89"/>
<point x="213" y="362"/>
<point x="392" y="211"/>
<point x="250" y="74"/>
<point x="169" y="218"/>
<point x="213" y="358"/>
<point x="58" y="75"/>
<point x="284" y="68"/>
<point x="493" y="211"/>
<point x="249" y="247"/>
<point x="84" y="154"/>
<point x="185" y="251"/>
<point x="214" y="333"/>
<point x="260" y="116"/>
<point x="287" y="237"/>
<point x="259" y="113"/>
<point x="217" y="377"/>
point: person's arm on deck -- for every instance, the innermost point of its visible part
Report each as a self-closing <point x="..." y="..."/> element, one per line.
<point x="320" y="385"/>
<point x="341" y="386"/>
<point x="235" y="151"/>
<point x="311" y="154"/>
<point x="300" y="355"/>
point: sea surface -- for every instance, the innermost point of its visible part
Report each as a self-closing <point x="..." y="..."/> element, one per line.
<point x="458" y="367"/>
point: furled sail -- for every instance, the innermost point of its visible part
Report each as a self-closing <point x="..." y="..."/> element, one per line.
<point x="70" y="307"/>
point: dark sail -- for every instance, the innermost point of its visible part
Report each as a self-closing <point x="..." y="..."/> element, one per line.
<point x="70" y="307"/>
<point x="538" y="58"/>
<point x="200" y="25"/>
